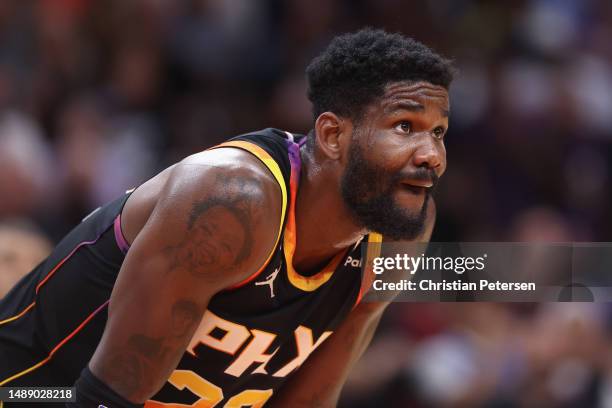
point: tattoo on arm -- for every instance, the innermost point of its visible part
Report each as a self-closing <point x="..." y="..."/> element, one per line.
<point x="216" y="238"/>
<point x="184" y="314"/>
<point x="220" y="229"/>
<point x="133" y="366"/>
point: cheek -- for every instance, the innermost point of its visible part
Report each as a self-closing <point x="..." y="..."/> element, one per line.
<point x="392" y="156"/>
<point x="443" y="161"/>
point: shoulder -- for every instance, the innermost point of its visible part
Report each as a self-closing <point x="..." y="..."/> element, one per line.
<point x="218" y="210"/>
<point x="224" y="176"/>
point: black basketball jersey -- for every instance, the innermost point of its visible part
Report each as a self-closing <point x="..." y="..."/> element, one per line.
<point x="252" y="337"/>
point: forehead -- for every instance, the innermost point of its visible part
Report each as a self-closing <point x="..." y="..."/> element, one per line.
<point x="418" y="93"/>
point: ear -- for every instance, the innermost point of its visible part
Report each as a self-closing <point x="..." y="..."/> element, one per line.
<point x="332" y="134"/>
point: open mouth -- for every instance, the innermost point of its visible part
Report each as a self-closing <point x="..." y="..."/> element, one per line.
<point x="417" y="190"/>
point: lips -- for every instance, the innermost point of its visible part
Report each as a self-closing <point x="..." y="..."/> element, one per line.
<point x="425" y="183"/>
<point x="414" y="189"/>
<point x="417" y="185"/>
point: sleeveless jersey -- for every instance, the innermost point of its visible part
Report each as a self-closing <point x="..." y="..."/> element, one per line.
<point x="252" y="337"/>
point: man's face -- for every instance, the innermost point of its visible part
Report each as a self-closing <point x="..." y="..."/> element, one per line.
<point x="395" y="158"/>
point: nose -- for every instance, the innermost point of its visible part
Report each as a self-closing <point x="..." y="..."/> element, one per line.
<point x="428" y="154"/>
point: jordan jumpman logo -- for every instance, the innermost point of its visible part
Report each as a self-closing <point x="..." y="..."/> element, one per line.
<point x="269" y="281"/>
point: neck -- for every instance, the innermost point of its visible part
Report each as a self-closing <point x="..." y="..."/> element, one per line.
<point x="323" y="223"/>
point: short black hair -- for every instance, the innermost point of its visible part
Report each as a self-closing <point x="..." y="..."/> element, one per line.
<point x="355" y="68"/>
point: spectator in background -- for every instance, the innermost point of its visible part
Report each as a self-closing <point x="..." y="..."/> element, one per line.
<point x="26" y="170"/>
<point x="22" y="247"/>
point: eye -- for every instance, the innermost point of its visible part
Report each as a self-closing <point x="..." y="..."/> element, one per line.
<point x="439" y="132"/>
<point x="403" y="126"/>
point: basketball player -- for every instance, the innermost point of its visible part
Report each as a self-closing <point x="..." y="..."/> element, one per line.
<point x="213" y="283"/>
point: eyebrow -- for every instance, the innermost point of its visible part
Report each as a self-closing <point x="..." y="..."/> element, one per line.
<point x="411" y="107"/>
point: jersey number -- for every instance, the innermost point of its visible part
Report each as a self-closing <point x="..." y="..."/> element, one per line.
<point x="210" y="395"/>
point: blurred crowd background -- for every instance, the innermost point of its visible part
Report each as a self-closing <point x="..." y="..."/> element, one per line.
<point x="97" y="96"/>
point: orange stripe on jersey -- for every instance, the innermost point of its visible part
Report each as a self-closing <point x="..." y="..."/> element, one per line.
<point x="56" y="348"/>
<point x="306" y="283"/>
<point x="24" y="311"/>
<point x="271" y="164"/>
<point x="373" y="251"/>
<point x="46" y="278"/>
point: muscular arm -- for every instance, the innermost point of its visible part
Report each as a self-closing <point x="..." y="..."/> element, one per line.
<point x="213" y="225"/>
<point x="317" y="384"/>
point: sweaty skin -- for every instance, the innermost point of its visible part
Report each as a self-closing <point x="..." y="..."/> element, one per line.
<point x="397" y="147"/>
<point x="174" y="267"/>
<point x="387" y="145"/>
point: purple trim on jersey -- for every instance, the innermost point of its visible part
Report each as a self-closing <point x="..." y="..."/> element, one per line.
<point x="119" y="238"/>
<point x="293" y="149"/>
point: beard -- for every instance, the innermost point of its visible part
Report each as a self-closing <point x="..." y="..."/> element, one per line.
<point x="368" y="191"/>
